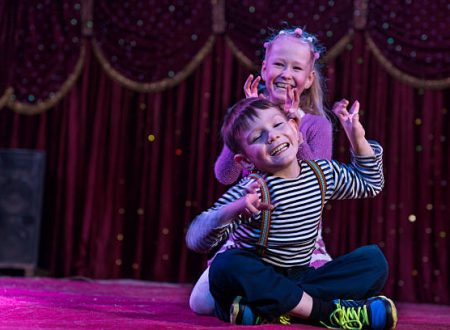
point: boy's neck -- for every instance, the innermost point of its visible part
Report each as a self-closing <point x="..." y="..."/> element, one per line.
<point x="289" y="172"/>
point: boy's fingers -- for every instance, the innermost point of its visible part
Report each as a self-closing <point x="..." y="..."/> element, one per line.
<point x="266" y="206"/>
<point x="355" y="108"/>
<point x="251" y="187"/>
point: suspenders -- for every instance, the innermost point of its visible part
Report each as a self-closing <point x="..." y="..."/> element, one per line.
<point x="265" y="214"/>
<point x="320" y="177"/>
<point x="265" y="198"/>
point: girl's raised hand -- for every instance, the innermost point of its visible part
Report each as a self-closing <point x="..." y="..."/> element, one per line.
<point x="292" y="103"/>
<point x="251" y="87"/>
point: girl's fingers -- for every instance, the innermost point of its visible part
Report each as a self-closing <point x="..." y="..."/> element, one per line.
<point x="247" y="86"/>
<point x="255" y="85"/>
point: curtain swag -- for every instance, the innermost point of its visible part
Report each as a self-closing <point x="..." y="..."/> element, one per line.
<point x="33" y="109"/>
<point x="404" y="77"/>
<point x="156" y="86"/>
<point x="6" y="96"/>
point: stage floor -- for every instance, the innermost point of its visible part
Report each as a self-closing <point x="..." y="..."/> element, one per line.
<point x="47" y="303"/>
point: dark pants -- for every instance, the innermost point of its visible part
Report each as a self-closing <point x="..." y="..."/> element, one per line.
<point x="273" y="291"/>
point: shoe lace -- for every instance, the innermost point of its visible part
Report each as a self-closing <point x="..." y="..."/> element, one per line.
<point x="350" y="318"/>
<point x="284" y="319"/>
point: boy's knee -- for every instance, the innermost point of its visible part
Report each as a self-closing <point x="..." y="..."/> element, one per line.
<point x="378" y="265"/>
<point x="377" y="257"/>
<point x="223" y="264"/>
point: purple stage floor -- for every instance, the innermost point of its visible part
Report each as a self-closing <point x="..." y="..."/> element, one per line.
<point x="46" y="303"/>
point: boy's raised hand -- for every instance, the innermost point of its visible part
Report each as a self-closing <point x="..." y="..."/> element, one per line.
<point x="250" y="203"/>
<point x="353" y="128"/>
<point x="251" y="87"/>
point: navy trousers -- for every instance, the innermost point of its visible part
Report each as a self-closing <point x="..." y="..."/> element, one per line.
<point x="273" y="291"/>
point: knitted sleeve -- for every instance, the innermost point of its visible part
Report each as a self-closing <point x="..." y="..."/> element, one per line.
<point x="226" y="170"/>
<point x="317" y="135"/>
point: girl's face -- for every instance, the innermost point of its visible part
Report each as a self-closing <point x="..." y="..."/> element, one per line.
<point x="288" y="62"/>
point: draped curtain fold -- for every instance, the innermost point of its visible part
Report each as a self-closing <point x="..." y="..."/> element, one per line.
<point x="136" y="93"/>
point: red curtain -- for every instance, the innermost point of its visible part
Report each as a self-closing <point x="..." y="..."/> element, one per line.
<point x="131" y="131"/>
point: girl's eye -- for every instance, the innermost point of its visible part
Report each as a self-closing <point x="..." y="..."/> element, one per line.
<point x="278" y="124"/>
<point x="297" y="68"/>
<point x="278" y="64"/>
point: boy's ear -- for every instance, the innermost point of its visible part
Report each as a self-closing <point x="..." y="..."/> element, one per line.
<point x="295" y="124"/>
<point x="310" y="79"/>
<point x="244" y="162"/>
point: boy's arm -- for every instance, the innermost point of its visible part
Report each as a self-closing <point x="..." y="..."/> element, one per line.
<point x="364" y="176"/>
<point x="213" y="226"/>
<point x="353" y="129"/>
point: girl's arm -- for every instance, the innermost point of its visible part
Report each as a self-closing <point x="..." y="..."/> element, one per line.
<point x="227" y="171"/>
<point x="317" y="138"/>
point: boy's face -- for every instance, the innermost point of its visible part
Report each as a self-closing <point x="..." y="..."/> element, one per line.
<point x="270" y="144"/>
<point x="288" y="62"/>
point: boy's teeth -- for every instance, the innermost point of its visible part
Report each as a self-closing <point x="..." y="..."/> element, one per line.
<point x="278" y="149"/>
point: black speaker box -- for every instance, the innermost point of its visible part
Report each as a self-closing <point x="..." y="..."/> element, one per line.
<point x="21" y="192"/>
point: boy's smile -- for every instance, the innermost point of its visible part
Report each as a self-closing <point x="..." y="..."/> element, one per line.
<point x="270" y="144"/>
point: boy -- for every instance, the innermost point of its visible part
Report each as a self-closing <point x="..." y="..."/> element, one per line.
<point x="273" y="218"/>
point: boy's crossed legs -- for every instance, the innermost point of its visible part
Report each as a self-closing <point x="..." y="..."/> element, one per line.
<point x="272" y="291"/>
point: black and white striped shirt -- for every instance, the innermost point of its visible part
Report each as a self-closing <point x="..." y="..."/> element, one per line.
<point x="298" y="202"/>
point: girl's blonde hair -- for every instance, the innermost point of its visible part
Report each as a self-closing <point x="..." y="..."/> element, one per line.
<point x="312" y="99"/>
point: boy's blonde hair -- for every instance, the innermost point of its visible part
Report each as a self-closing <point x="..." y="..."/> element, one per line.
<point x="238" y="117"/>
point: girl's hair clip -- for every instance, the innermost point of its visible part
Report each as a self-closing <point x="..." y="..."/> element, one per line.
<point x="298" y="32"/>
<point x="309" y="39"/>
<point x="281" y="32"/>
<point x="316" y="55"/>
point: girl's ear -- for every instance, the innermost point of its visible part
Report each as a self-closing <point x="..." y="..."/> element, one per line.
<point x="263" y="70"/>
<point x="310" y="79"/>
<point x="244" y="162"/>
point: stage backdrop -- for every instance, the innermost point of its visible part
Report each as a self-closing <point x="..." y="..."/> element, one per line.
<point x="126" y="98"/>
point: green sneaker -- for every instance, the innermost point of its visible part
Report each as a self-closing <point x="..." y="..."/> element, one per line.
<point x="240" y="313"/>
<point x="377" y="313"/>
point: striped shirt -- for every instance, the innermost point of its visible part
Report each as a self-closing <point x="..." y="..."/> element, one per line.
<point x="297" y="212"/>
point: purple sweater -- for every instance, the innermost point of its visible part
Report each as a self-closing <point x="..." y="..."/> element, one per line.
<point x="317" y="144"/>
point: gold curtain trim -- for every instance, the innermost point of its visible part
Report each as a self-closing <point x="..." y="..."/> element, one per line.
<point x="330" y="55"/>
<point x="158" y="85"/>
<point x="240" y="55"/>
<point x="41" y="106"/>
<point x="404" y="77"/>
<point x="338" y="48"/>
<point x="6" y="96"/>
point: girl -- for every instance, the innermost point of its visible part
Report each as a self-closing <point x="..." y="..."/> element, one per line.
<point x="293" y="80"/>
